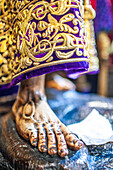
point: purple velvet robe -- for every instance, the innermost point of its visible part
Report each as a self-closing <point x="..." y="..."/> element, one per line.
<point x="47" y="36"/>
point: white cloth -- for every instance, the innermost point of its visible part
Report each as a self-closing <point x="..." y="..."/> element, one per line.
<point x="95" y="129"/>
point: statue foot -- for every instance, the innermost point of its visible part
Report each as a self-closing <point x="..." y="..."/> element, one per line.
<point x="36" y="122"/>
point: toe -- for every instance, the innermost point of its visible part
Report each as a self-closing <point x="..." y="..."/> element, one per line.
<point x="62" y="146"/>
<point x="51" y="140"/>
<point x="33" y="138"/>
<point x="78" y="145"/>
<point x="72" y="141"/>
<point x="42" y="146"/>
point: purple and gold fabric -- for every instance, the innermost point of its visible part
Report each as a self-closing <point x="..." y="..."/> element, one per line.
<point x="42" y="37"/>
<point x="89" y="15"/>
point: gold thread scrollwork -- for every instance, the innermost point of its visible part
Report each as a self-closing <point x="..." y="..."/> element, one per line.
<point x="35" y="33"/>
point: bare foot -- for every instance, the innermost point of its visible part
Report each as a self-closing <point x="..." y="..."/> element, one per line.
<point x="36" y="122"/>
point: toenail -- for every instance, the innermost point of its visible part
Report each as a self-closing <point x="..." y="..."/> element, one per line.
<point x="43" y="148"/>
<point x="79" y="144"/>
<point x="63" y="152"/>
<point x="52" y="150"/>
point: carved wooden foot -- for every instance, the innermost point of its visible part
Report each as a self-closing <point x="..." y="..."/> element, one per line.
<point x="18" y="154"/>
<point x="36" y="122"/>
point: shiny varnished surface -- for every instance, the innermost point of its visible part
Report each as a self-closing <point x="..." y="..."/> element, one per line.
<point x="22" y="156"/>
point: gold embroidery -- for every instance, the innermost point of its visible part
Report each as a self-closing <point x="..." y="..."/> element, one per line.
<point x="5" y="41"/>
<point x="89" y="14"/>
<point x="50" y="59"/>
<point x="51" y="64"/>
<point x="23" y="43"/>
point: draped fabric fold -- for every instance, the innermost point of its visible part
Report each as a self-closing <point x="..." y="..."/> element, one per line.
<point x="39" y="37"/>
<point x="89" y="15"/>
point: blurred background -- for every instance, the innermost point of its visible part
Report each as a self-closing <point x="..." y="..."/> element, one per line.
<point x="101" y="83"/>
